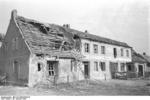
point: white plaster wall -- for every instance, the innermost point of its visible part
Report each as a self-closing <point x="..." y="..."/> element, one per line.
<point x="36" y="76"/>
<point x="109" y="52"/>
<point x="107" y="58"/>
<point x="65" y="73"/>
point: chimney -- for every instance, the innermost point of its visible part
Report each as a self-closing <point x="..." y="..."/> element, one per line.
<point x="86" y="31"/>
<point x="66" y="25"/>
<point x="144" y="53"/>
<point x="14" y="14"/>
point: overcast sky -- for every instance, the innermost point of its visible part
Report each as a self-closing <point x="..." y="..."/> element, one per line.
<point x="123" y="20"/>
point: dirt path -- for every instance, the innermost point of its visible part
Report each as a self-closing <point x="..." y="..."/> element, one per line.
<point x="109" y="87"/>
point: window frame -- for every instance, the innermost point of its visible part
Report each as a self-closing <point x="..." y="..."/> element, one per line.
<point x="96" y="66"/>
<point x="115" y="52"/>
<point x="122" y="52"/>
<point x="127" y="53"/>
<point x="39" y="67"/>
<point x="102" y="66"/>
<point x="103" y="50"/>
<point x="95" y="48"/>
<point x="86" y="47"/>
<point x="51" y="70"/>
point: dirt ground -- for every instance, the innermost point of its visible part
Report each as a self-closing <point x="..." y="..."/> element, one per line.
<point x="83" y="88"/>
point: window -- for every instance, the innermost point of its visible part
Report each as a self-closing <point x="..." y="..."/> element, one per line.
<point x="115" y="52"/>
<point x="127" y="53"/>
<point x="15" y="43"/>
<point x="121" y="52"/>
<point x="39" y="66"/>
<point x="51" y="69"/>
<point x="148" y="64"/>
<point x="87" y="47"/>
<point x="102" y="49"/>
<point x="122" y="67"/>
<point x="95" y="48"/>
<point x="102" y="65"/>
<point x="95" y="66"/>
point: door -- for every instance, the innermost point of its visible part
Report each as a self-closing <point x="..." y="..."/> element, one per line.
<point x="16" y="70"/>
<point x="52" y="68"/>
<point x="86" y="69"/>
<point x="113" y="69"/>
<point x="140" y="70"/>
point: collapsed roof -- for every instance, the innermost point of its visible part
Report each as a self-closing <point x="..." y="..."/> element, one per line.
<point x="44" y="38"/>
<point x="49" y="38"/>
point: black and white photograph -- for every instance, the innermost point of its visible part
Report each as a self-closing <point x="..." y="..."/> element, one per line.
<point x="74" y="48"/>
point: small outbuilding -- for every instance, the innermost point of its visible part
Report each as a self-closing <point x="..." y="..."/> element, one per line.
<point x="137" y="67"/>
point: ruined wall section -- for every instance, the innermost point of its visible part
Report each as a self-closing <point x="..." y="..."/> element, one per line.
<point x="64" y="72"/>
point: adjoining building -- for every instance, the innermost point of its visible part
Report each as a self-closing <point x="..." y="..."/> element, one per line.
<point x="147" y="70"/>
<point x="137" y="67"/>
<point x="35" y="52"/>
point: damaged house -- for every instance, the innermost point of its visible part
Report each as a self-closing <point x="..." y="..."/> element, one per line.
<point x="35" y="52"/>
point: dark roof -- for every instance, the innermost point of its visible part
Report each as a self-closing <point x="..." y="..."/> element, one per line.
<point x="136" y="57"/>
<point x="147" y="58"/>
<point x="97" y="38"/>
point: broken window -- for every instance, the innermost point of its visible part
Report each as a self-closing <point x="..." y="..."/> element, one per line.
<point x="51" y="69"/>
<point x="39" y="66"/>
<point x="77" y="42"/>
<point x="102" y="65"/>
<point x="95" y="66"/>
<point x="95" y="48"/>
<point x="102" y="49"/>
<point x="87" y="47"/>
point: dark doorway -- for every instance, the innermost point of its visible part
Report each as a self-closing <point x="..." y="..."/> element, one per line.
<point x="86" y="69"/>
<point x="16" y="70"/>
<point x="113" y="69"/>
<point x="140" y="70"/>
